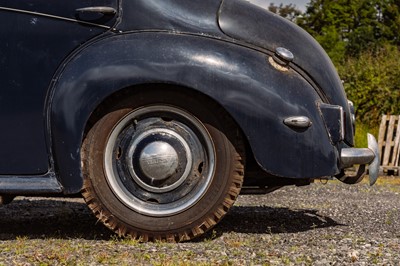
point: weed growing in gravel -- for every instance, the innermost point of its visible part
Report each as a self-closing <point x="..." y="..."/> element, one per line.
<point x="375" y="256"/>
<point x="20" y="245"/>
<point x="389" y="182"/>
<point x="303" y="260"/>
<point x="390" y="216"/>
<point x="237" y="241"/>
<point x="285" y="260"/>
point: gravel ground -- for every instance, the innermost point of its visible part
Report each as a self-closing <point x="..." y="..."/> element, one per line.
<point x="332" y="224"/>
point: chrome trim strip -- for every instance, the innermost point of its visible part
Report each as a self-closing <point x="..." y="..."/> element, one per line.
<point x="30" y="185"/>
<point x="106" y="10"/>
<point x="54" y="17"/>
<point x="342" y="123"/>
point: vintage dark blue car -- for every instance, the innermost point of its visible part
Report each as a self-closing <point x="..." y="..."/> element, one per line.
<point x="160" y="112"/>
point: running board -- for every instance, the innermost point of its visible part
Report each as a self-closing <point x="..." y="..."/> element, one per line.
<point x="30" y="185"/>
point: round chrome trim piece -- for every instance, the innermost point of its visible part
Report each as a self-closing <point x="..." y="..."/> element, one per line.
<point x="153" y="188"/>
<point x="284" y="54"/>
<point x="158" y="160"/>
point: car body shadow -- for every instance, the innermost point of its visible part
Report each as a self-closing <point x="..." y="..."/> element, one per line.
<point x="43" y="218"/>
<point x="70" y="218"/>
<point x="275" y="220"/>
<point x="270" y="220"/>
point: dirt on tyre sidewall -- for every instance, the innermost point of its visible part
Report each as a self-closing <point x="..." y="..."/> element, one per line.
<point x="225" y="172"/>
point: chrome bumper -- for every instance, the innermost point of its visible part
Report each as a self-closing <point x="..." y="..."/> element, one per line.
<point x="362" y="157"/>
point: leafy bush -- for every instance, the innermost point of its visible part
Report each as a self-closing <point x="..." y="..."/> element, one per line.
<point x="363" y="39"/>
<point x="361" y="134"/>
<point x="372" y="82"/>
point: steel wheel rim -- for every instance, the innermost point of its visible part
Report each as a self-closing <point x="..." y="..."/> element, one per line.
<point x="183" y="139"/>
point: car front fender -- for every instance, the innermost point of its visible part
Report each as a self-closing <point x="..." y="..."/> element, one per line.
<point x="258" y="96"/>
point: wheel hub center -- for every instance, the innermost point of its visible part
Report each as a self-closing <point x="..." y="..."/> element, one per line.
<point x="158" y="160"/>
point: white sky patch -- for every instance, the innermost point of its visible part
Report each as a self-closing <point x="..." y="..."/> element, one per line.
<point x="300" y="4"/>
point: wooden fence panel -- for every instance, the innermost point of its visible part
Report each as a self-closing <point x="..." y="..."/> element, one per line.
<point x="389" y="141"/>
<point x="397" y="145"/>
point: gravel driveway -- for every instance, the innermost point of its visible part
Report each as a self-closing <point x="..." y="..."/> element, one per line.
<point x="332" y="224"/>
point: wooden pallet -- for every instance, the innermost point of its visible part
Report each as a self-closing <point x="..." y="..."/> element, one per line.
<point x="389" y="141"/>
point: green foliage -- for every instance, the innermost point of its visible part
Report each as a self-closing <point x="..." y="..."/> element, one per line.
<point x="362" y="37"/>
<point x="360" y="137"/>
<point x="289" y="12"/>
<point x="351" y="27"/>
<point x="372" y="82"/>
<point x="330" y="40"/>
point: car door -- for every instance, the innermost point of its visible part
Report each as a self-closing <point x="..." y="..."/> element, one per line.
<point x="36" y="36"/>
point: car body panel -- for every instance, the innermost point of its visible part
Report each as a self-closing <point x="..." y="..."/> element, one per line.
<point x="198" y="17"/>
<point x="60" y="66"/>
<point x="228" y="73"/>
<point x="35" y="39"/>
<point x="247" y="22"/>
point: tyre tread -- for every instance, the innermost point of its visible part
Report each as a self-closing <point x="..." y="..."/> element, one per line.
<point x="209" y="221"/>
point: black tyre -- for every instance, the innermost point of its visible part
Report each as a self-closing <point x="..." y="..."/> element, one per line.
<point x="162" y="168"/>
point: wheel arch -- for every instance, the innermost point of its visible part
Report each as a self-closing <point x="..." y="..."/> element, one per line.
<point x="255" y="94"/>
<point x="121" y="98"/>
<point x="69" y="170"/>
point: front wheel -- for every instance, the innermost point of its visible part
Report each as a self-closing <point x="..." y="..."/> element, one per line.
<point x="162" y="169"/>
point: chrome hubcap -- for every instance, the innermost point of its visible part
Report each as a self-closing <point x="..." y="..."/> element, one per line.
<point x="159" y="160"/>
